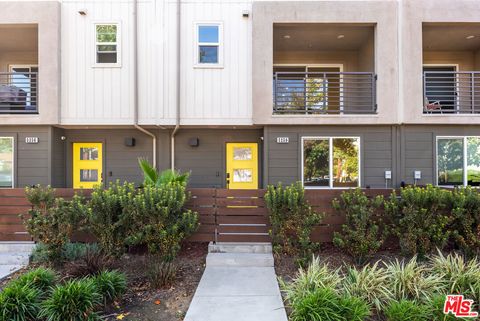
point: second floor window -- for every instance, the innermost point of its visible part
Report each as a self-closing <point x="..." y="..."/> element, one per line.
<point x="209" y="44"/>
<point x="107" y="45"/>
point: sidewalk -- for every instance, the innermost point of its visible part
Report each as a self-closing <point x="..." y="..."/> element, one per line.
<point x="231" y="289"/>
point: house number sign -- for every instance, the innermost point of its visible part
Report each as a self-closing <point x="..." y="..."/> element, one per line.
<point x="282" y="140"/>
<point x="31" y="140"/>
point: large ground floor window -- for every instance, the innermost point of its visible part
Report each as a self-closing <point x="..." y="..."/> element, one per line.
<point x="6" y="162"/>
<point x="458" y="161"/>
<point x="329" y="162"/>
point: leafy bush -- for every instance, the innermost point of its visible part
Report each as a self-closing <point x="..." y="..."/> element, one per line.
<point x="19" y="302"/>
<point x="405" y="310"/>
<point x="369" y="283"/>
<point x="316" y="276"/>
<point x="459" y="276"/>
<point x="92" y="263"/>
<point x="53" y="220"/>
<point x="413" y="281"/>
<point x="153" y="177"/>
<point x="419" y="218"/>
<point x="41" y="279"/>
<point x="110" y="216"/>
<point x="161" y="222"/>
<point x="70" y="252"/>
<point x="160" y="273"/>
<point x="110" y="285"/>
<point x="361" y="235"/>
<point x="466" y="219"/>
<point x="292" y="220"/>
<point x="73" y="301"/>
<point x="325" y="304"/>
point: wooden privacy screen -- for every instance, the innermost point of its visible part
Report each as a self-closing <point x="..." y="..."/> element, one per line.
<point x="225" y="215"/>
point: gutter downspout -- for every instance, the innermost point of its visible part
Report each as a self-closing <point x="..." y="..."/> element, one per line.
<point x="135" y="85"/>
<point x="177" y="120"/>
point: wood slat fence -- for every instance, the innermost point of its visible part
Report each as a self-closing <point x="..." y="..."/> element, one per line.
<point x="225" y="215"/>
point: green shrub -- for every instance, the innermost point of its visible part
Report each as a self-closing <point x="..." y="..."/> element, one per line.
<point x="318" y="305"/>
<point x="466" y="219"/>
<point x="316" y="276"/>
<point x="160" y="273"/>
<point x="41" y="279"/>
<point x="413" y="281"/>
<point x="292" y="220"/>
<point x="19" y="302"/>
<point x="110" y="216"/>
<point x="370" y="283"/>
<point x="70" y="252"/>
<point x="325" y="304"/>
<point x="161" y="222"/>
<point x="110" y="285"/>
<point x="73" y="301"/>
<point x="361" y="235"/>
<point x="458" y="275"/>
<point x="153" y="177"/>
<point x="420" y="218"/>
<point x="53" y="220"/>
<point x="405" y="310"/>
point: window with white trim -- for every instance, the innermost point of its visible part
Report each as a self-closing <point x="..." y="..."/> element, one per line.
<point x="458" y="161"/>
<point x="107" y="44"/>
<point x="6" y="162"/>
<point x="331" y="162"/>
<point x="209" y="43"/>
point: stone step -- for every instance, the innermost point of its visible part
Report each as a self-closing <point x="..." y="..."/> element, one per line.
<point x="16" y="247"/>
<point x="14" y="258"/>
<point x="240" y="259"/>
<point x="235" y="247"/>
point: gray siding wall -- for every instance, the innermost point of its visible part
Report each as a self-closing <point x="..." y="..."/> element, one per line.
<point x="31" y="161"/>
<point x="120" y="161"/>
<point x="283" y="161"/>
<point x="207" y="161"/>
<point x="418" y="149"/>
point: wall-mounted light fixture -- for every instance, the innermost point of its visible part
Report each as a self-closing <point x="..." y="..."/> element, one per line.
<point x="245" y="13"/>
<point x="130" y="141"/>
<point x="193" y="142"/>
<point x="82" y="12"/>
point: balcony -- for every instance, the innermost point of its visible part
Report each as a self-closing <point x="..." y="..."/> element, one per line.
<point x="324" y="92"/>
<point x="451" y="68"/>
<point x="324" y="68"/>
<point x="449" y="92"/>
<point x="19" y="79"/>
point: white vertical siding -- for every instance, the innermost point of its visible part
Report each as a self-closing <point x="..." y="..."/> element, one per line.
<point x="104" y="96"/>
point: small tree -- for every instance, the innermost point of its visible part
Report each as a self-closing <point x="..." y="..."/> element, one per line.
<point x="361" y="236"/>
<point x="53" y="220"/>
<point x="292" y="220"/>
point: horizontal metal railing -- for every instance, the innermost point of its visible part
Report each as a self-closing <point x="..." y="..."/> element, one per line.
<point x="324" y="93"/>
<point x="448" y="92"/>
<point x="18" y="92"/>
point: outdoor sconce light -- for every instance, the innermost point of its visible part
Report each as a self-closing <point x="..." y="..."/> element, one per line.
<point x="82" y="12"/>
<point x="193" y="142"/>
<point x="245" y="13"/>
<point x="129" y="141"/>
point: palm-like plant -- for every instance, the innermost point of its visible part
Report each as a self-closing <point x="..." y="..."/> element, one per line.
<point x="156" y="178"/>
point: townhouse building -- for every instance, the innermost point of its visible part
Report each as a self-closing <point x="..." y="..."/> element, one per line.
<point x="241" y="93"/>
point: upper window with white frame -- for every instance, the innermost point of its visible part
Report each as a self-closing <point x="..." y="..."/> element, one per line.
<point x="331" y="162"/>
<point x="107" y="44"/>
<point x="209" y="44"/>
<point x="458" y="161"/>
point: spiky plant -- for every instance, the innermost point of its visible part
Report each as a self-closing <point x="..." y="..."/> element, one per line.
<point x="151" y="176"/>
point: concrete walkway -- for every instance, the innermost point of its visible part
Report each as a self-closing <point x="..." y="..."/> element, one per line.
<point x="238" y="286"/>
<point x="14" y="256"/>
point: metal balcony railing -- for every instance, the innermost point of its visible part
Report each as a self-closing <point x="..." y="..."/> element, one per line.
<point x="18" y="92"/>
<point x="324" y="93"/>
<point x="448" y="92"/>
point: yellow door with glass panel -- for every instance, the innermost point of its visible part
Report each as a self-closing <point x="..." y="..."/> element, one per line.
<point x="87" y="165"/>
<point x="242" y="165"/>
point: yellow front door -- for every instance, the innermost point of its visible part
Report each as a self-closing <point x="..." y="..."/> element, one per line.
<point x="242" y="165"/>
<point x="87" y="165"/>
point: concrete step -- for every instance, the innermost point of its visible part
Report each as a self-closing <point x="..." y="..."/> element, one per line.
<point x="6" y="270"/>
<point x="14" y="258"/>
<point x="240" y="259"/>
<point x="16" y="247"/>
<point x="234" y="247"/>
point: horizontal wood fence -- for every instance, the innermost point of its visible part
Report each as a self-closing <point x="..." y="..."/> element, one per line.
<point x="225" y="215"/>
